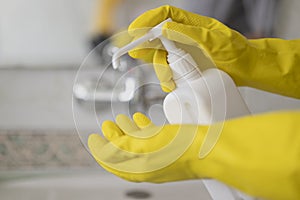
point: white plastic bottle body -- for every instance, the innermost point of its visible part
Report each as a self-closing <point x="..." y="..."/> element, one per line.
<point x="211" y="98"/>
<point x="186" y="105"/>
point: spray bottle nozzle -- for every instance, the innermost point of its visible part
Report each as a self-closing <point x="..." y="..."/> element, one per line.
<point x="154" y="33"/>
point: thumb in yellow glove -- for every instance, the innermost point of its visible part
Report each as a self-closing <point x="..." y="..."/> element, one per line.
<point x="267" y="64"/>
<point x="250" y="155"/>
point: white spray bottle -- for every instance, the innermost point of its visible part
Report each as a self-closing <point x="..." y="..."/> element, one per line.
<point x="200" y="98"/>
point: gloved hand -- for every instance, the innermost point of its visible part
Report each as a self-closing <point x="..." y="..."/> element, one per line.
<point x="250" y="154"/>
<point x="140" y="151"/>
<point x="267" y="64"/>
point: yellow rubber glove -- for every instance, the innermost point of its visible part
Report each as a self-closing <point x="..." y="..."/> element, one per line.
<point x="250" y="154"/>
<point x="268" y="64"/>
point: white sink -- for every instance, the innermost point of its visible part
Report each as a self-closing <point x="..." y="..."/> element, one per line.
<point x="98" y="186"/>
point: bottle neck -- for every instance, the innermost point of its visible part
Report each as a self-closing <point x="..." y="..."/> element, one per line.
<point x="183" y="66"/>
<point x="187" y="78"/>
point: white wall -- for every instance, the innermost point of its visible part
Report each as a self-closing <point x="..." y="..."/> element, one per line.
<point x="43" y="32"/>
<point x="53" y="33"/>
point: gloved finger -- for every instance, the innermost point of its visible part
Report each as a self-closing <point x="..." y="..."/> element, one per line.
<point x="95" y="144"/>
<point x="145" y="55"/>
<point x="126" y="124"/>
<point x="114" y="153"/>
<point x="106" y="153"/>
<point x="111" y="131"/>
<point x="141" y="120"/>
<point x="138" y="28"/>
<point x="142" y="24"/>
<point x="121" y="39"/>
<point x="146" y="50"/>
<point x="163" y="71"/>
<point x="157" y="15"/>
<point x="161" y="67"/>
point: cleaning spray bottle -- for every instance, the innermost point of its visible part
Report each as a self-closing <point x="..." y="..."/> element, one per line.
<point x="200" y="97"/>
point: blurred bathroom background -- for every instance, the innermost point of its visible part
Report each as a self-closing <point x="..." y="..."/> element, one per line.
<point x="43" y="44"/>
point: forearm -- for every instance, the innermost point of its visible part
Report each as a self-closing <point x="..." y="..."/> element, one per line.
<point x="259" y="155"/>
<point x="274" y="67"/>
